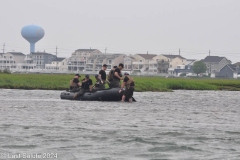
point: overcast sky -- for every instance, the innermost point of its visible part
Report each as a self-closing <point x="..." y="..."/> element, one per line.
<point x="126" y="26"/>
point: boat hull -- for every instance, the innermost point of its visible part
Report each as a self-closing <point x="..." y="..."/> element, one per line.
<point x="111" y="94"/>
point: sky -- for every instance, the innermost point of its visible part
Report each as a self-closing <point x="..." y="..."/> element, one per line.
<point x="125" y="26"/>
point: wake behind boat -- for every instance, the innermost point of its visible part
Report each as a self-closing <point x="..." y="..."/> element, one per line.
<point x="111" y="94"/>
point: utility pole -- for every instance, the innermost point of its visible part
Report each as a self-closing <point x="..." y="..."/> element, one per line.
<point x="179" y="51"/>
<point x="56" y="57"/>
<point x="3" y="47"/>
<point x="105" y="50"/>
<point x="56" y="51"/>
<point x="210" y="66"/>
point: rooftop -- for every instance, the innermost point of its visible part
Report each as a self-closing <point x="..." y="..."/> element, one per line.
<point x="17" y="53"/>
<point x="147" y="56"/>
<point x="173" y="56"/>
<point x="86" y="50"/>
<point x="58" y="59"/>
<point x="212" y="59"/>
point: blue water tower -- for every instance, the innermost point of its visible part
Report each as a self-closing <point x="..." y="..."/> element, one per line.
<point x="32" y="33"/>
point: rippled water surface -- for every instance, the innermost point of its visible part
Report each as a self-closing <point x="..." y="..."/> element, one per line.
<point x="176" y="125"/>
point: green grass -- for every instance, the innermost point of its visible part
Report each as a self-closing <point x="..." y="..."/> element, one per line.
<point x="156" y="84"/>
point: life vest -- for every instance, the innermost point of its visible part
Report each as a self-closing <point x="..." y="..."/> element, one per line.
<point x="110" y="75"/>
<point x="72" y="84"/>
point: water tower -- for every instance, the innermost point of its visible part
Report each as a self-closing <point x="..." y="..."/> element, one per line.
<point x="32" y="33"/>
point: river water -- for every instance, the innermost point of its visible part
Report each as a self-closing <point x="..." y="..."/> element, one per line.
<point x="177" y="125"/>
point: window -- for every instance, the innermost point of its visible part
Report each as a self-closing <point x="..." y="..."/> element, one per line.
<point x="109" y="61"/>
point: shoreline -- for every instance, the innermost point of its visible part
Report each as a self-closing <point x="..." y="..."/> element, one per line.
<point x="143" y="84"/>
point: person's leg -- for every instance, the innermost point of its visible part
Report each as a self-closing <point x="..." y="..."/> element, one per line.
<point x="80" y="93"/>
<point x="123" y="98"/>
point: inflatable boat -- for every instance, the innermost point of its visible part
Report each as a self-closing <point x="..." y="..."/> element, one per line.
<point x="111" y="94"/>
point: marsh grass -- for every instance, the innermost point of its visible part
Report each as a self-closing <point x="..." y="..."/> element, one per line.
<point x="155" y="84"/>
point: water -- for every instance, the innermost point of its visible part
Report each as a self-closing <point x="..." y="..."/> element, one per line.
<point x="177" y="125"/>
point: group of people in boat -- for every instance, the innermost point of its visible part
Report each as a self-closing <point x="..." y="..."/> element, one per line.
<point x="113" y="79"/>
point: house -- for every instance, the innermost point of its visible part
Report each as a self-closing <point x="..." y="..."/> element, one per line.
<point x="215" y="63"/>
<point x="128" y="62"/>
<point x="144" y="62"/>
<point x="168" y="62"/>
<point x="237" y="64"/>
<point x="58" y="63"/>
<point x="95" y="62"/>
<point x="162" y="63"/>
<point x="10" y="60"/>
<point x="79" y="60"/>
<point x="228" y="71"/>
<point x="40" y="59"/>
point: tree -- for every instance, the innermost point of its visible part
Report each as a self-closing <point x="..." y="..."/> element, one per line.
<point x="199" y="67"/>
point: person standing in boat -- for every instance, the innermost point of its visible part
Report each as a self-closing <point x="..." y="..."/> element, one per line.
<point x="75" y="83"/>
<point x="102" y="77"/>
<point x="117" y="76"/>
<point x="127" y="87"/>
<point x="86" y="86"/>
<point x="110" y="76"/>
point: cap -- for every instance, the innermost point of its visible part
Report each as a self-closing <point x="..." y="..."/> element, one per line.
<point x="126" y="73"/>
<point x="96" y="75"/>
<point x="104" y="65"/>
<point x="87" y="76"/>
<point x="114" y="66"/>
<point x="120" y="64"/>
<point x="77" y="75"/>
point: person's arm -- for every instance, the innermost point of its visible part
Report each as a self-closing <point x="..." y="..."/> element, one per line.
<point x="123" y="84"/>
<point x="117" y="75"/>
<point x="90" y="87"/>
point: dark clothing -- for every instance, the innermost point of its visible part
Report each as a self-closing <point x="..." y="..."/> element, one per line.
<point x="87" y="84"/>
<point x="126" y="79"/>
<point x="129" y="92"/>
<point x="103" y="75"/>
<point x="110" y="75"/>
<point x="99" y="85"/>
<point x="129" y="87"/>
<point x="115" y="83"/>
<point x="119" y="73"/>
<point x="85" y="87"/>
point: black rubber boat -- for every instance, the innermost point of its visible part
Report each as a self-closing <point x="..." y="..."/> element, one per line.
<point x="111" y="94"/>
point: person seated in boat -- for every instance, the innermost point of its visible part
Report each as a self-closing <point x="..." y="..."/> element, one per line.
<point x="127" y="87"/>
<point x="117" y="76"/>
<point x="98" y="82"/>
<point x="110" y="76"/>
<point x="86" y="86"/>
<point x="75" y="83"/>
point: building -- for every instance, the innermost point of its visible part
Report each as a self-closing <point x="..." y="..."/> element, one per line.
<point x="215" y="63"/>
<point x="39" y="59"/>
<point x="95" y="62"/>
<point x="79" y="60"/>
<point x="173" y="60"/>
<point x="10" y="60"/>
<point x="144" y="63"/>
<point x="228" y="71"/>
<point x="58" y="64"/>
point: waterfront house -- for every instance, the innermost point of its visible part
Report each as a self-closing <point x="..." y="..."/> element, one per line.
<point x="144" y="63"/>
<point x="228" y="71"/>
<point x="59" y="64"/>
<point x="10" y="60"/>
<point x="215" y="63"/>
<point x="79" y="60"/>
